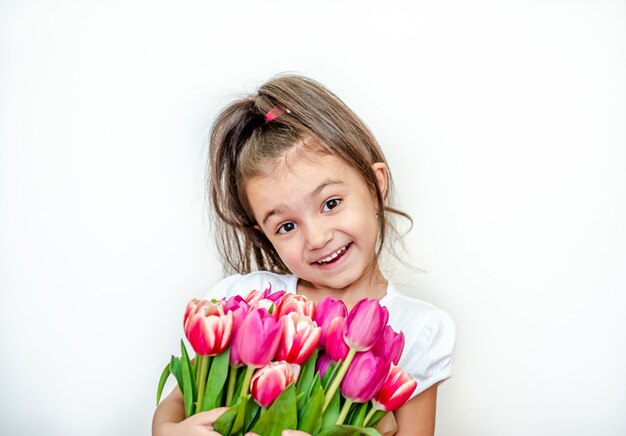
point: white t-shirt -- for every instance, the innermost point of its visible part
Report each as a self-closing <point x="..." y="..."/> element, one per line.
<point x="428" y="331"/>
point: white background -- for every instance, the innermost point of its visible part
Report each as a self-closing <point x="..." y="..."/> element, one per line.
<point x="504" y="125"/>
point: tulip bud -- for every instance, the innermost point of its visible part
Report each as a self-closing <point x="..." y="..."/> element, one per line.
<point x="254" y="296"/>
<point x="336" y="347"/>
<point x="239" y="314"/>
<point x="294" y="303"/>
<point x="325" y="311"/>
<point x="396" y="390"/>
<point x="364" y="377"/>
<point x="390" y="345"/>
<point x="191" y="309"/>
<point x="365" y="324"/>
<point x="208" y="328"/>
<point x="258" y="338"/>
<point x="299" y="338"/>
<point x="234" y="302"/>
<point x="322" y="364"/>
<point x="271" y="380"/>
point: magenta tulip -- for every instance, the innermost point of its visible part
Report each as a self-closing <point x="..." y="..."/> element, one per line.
<point x="236" y="301"/>
<point x="299" y="338"/>
<point x="239" y="314"/>
<point x="336" y="347"/>
<point x="271" y="380"/>
<point x="365" y="324"/>
<point x="258" y="338"/>
<point x="254" y="297"/>
<point x="294" y="303"/>
<point x="390" y="345"/>
<point x="325" y="311"/>
<point x="322" y="364"/>
<point x="364" y="378"/>
<point x="208" y="328"/>
<point x="395" y="391"/>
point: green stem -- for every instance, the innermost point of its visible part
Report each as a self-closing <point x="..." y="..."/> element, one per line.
<point x="245" y="387"/>
<point x="232" y="381"/>
<point x="369" y="416"/>
<point x="202" y="374"/>
<point x="337" y="381"/>
<point x="344" y="411"/>
<point x="196" y="364"/>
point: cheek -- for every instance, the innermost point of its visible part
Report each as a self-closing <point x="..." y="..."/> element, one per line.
<point x="287" y="250"/>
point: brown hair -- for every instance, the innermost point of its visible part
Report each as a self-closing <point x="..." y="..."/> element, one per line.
<point x="242" y="143"/>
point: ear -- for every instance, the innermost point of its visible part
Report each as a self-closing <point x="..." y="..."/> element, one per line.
<point x="382" y="176"/>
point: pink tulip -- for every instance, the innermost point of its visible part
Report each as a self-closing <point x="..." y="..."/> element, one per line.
<point x="364" y="377"/>
<point x="294" y="303"/>
<point x="258" y="338"/>
<point x="323" y="362"/>
<point x="239" y="314"/>
<point x="252" y="296"/>
<point x="271" y="380"/>
<point x="325" y="311"/>
<point x="396" y="390"/>
<point x="191" y="309"/>
<point x="255" y="296"/>
<point x="390" y="345"/>
<point x="365" y="324"/>
<point x="234" y="302"/>
<point x="336" y="347"/>
<point x="208" y="328"/>
<point x="299" y="338"/>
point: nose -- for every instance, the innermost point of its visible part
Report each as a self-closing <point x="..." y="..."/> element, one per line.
<point x="317" y="236"/>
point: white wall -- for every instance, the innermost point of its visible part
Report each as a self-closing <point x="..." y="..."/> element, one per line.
<point x="504" y="123"/>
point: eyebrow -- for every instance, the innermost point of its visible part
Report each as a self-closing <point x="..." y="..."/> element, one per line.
<point x="315" y="192"/>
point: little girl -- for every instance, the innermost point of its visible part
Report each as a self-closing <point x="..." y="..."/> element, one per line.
<point x="300" y="192"/>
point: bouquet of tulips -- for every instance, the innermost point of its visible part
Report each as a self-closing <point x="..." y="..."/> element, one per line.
<point x="278" y="361"/>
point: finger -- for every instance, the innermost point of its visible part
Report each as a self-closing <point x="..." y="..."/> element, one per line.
<point x="207" y="418"/>
<point x="294" y="433"/>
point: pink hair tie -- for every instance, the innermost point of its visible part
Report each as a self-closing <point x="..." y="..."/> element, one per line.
<point x="275" y="112"/>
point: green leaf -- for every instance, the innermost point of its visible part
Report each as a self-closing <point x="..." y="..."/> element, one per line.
<point x="359" y="415"/>
<point x="215" y="382"/>
<point x="240" y="378"/>
<point x="252" y="409"/>
<point x="241" y="415"/>
<point x="305" y="380"/>
<point x="224" y="423"/>
<point x="348" y="430"/>
<point x="330" y="374"/>
<point x="164" y="376"/>
<point x="332" y="411"/>
<point x="281" y="415"/>
<point x="378" y="415"/>
<point x="185" y="360"/>
<point x="310" y="416"/>
<point x="188" y="384"/>
<point x="176" y="368"/>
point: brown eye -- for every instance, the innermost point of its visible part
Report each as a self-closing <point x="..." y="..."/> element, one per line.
<point x="331" y="204"/>
<point x="287" y="227"/>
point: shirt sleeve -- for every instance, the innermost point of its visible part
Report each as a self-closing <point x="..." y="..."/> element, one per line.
<point x="431" y="355"/>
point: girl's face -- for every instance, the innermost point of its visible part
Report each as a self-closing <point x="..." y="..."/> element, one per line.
<point x="320" y="217"/>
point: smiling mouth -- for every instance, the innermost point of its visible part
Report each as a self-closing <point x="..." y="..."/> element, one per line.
<point x="333" y="257"/>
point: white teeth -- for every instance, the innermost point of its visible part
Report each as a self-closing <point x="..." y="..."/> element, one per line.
<point x="332" y="256"/>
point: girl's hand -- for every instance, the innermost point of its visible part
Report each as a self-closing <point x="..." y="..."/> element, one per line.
<point x="168" y="420"/>
<point x="200" y="424"/>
